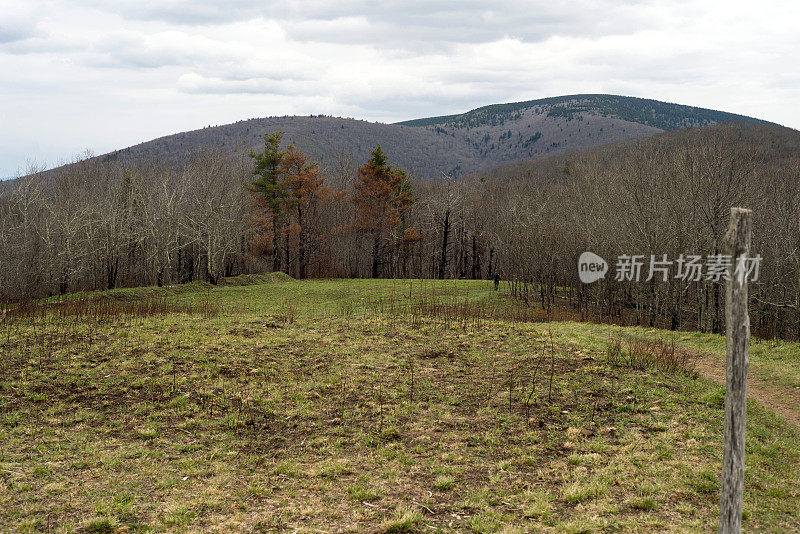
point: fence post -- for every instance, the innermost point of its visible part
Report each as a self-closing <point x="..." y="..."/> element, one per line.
<point x="737" y="323"/>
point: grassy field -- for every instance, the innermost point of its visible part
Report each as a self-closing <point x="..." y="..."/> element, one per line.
<point x="273" y="405"/>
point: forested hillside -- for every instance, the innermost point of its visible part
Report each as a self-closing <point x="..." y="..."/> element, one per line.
<point x="657" y="114"/>
<point x="667" y="194"/>
<point x="505" y="133"/>
<point x="333" y="141"/>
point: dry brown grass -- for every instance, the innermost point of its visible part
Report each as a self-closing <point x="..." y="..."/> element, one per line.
<point x="650" y="354"/>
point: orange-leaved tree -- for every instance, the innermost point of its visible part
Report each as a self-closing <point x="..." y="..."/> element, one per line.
<point x="304" y="185"/>
<point x="383" y="196"/>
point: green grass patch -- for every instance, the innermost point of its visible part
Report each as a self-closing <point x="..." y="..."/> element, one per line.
<point x="366" y="405"/>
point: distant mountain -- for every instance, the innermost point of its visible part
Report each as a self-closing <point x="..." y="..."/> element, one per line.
<point x="506" y="133"/>
<point x="329" y="140"/>
<point x="661" y="115"/>
<point x="454" y="144"/>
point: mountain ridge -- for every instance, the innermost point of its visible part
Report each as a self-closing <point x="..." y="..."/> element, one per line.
<point x="479" y="139"/>
<point x="697" y="115"/>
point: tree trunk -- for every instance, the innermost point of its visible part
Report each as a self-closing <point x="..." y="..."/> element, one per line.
<point x="376" y="256"/>
<point x="476" y="262"/>
<point x="301" y="246"/>
<point x="445" y="238"/>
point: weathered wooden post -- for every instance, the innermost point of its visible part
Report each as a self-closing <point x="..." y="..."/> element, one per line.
<point x="737" y="320"/>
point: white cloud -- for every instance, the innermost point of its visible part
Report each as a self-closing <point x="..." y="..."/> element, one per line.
<point x="104" y="75"/>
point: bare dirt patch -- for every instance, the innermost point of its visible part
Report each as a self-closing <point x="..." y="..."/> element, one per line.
<point x="782" y="400"/>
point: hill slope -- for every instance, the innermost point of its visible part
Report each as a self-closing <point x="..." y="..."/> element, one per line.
<point x="419" y="150"/>
<point x="776" y="146"/>
<point x="456" y="144"/>
<point x="507" y="133"/>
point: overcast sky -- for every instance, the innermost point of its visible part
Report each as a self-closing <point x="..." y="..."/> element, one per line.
<point x="104" y="75"/>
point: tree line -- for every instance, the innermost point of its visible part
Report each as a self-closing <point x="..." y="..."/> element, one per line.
<point x="98" y="225"/>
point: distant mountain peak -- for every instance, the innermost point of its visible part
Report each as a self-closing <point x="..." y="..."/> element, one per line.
<point x="649" y="112"/>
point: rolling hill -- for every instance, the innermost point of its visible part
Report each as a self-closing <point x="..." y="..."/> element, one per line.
<point x="455" y="144"/>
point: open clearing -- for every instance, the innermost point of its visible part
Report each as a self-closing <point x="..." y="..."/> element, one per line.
<point x="368" y="405"/>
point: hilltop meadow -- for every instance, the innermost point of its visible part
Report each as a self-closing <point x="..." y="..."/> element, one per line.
<point x="267" y="404"/>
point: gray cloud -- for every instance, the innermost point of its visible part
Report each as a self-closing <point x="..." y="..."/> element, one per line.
<point x="398" y="23"/>
<point x="10" y="34"/>
<point x="195" y="83"/>
<point x="181" y="12"/>
<point x="423" y="25"/>
<point x="16" y="24"/>
<point x="170" y="48"/>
